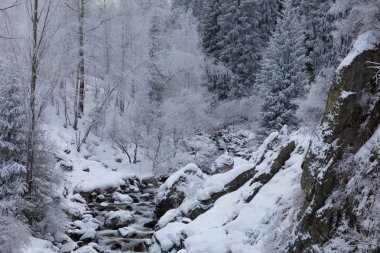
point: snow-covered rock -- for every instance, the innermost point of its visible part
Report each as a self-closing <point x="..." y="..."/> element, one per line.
<point x="69" y="247"/>
<point x="241" y="209"/>
<point x="118" y="219"/>
<point x="121" y="198"/>
<point x="224" y="163"/>
<point x="181" y="184"/>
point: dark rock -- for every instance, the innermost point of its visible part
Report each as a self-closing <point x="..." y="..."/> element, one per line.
<point x="173" y="193"/>
<point x="116" y="246"/>
<point x="100" y="198"/>
<point x="347" y="125"/>
<point x="66" y="167"/>
<point x="139" y="247"/>
<point x="150" y="224"/>
<point x="86" y="170"/>
<point x="135" y="199"/>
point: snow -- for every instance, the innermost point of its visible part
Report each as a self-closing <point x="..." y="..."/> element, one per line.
<point x="345" y="94"/>
<point x="365" y="41"/>
<point x="170" y="235"/>
<point x="365" y="151"/>
<point x="90" y="234"/>
<point x="87" y="223"/>
<point x="39" y="246"/>
<point x="234" y="225"/>
<point x="121" y="198"/>
<point x="101" y="160"/>
<point x="85" y="249"/>
<point x="120" y="216"/>
<point x="127" y="232"/>
<point x="69" y="247"/>
<point x="188" y="169"/>
<point x="223" y="160"/>
<point x="192" y="177"/>
<point x="216" y="183"/>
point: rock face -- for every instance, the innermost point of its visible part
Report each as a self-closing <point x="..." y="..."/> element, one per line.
<point x="351" y="117"/>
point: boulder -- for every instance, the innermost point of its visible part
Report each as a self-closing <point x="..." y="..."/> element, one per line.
<point x="177" y="187"/>
<point x="224" y="163"/>
<point x="118" y="219"/>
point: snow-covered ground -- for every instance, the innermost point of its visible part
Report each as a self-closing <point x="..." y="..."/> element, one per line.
<point x="39" y="246"/>
<point x="99" y="164"/>
<point x="236" y="223"/>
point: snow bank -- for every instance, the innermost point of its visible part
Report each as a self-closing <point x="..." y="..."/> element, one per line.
<point x="39" y="246"/>
<point x="252" y="218"/>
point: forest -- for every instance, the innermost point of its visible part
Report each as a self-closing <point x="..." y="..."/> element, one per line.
<point x="189" y="126"/>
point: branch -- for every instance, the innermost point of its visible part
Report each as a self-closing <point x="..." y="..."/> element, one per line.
<point x="9" y="7"/>
<point x="102" y="22"/>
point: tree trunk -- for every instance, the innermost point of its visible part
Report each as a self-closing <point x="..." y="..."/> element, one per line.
<point x="33" y="84"/>
<point x="81" y="6"/>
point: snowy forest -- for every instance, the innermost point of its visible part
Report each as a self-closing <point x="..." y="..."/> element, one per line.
<point x="189" y="126"/>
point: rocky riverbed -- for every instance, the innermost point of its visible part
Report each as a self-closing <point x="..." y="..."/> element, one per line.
<point x="115" y="220"/>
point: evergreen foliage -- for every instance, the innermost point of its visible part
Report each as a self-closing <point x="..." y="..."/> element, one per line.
<point x="283" y="76"/>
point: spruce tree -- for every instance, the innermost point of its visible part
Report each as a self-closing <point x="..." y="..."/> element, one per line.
<point x="318" y="27"/>
<point x="240" y="43"/>
<point x="12" y="135"/>
<point x="195" y="6"/>
<point x="210" y="28"/>
<point x="268" y="12"/>
<point x="283" y="76"/>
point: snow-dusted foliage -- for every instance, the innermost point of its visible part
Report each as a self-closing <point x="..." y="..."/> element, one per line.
<point x="283" y="77"/>
<point x="13" y="233"/>
<point x="311" y="109"/>
<point x="12" y="134"/>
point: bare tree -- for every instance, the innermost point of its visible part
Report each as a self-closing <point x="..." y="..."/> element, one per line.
<point x="40" y="23"/>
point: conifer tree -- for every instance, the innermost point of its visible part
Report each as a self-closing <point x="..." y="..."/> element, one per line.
<point x="318" y="27"/>
<point x="283" y="76"/>
<point x="12" y="135"/>
<point x="240" y="43"/>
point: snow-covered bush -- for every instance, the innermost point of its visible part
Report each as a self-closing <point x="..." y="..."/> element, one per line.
<point x="310" y="110"/>
<point x="14" y="234"/>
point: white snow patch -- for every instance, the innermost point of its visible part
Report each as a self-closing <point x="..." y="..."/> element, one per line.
<point x="345" y="94"/>
<point x="39" y="246"/>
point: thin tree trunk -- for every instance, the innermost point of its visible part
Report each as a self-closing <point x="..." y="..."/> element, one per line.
<point x="81" y="6"/>
<point x="33" y="83"/>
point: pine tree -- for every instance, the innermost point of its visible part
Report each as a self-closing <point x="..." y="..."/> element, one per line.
<point x="318" y="27"/>
<point x="195" y="6"/>
<point x="210" y="28"/>
<point x="12" y="135"/>
<point x="283" y="76"/>
<point x="240" y="43"/>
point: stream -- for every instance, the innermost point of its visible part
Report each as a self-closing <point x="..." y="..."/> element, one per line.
<point x="115" y="220"/>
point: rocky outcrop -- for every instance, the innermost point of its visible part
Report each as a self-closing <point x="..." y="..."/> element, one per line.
<point x="223" y="164"/>
<point x="174" y="190"/>
<point x="351" y="117"/>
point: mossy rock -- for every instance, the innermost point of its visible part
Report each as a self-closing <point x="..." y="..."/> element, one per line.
<point x="347" y="124"/>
